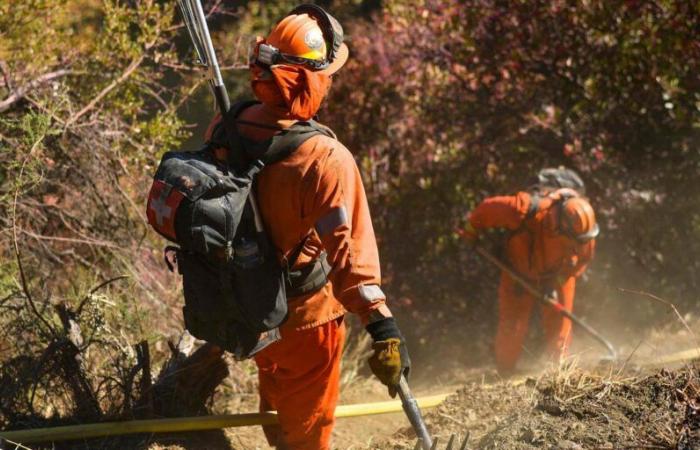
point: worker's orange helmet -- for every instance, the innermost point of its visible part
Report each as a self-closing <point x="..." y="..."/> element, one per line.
<point x="577" y="219"/>
<point x="307" y="36"/>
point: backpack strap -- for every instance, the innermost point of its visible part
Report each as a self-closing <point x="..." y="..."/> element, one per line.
<point x="270" y="151"/>
<point x="244" y="151"/>
<point x="534" y="206"/>
<point x="224" y="133"/>
<point x="562" y="196"/>
<point x="288" y="140"/>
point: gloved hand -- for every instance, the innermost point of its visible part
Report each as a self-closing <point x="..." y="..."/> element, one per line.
<point x="469" y="234"/>
<point x="390" y="358"/>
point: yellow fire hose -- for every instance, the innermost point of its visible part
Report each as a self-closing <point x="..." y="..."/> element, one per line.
<point x="195" y="423"/>
<point x="242" y="420"/>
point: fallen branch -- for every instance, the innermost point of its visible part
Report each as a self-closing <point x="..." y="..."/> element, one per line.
<point x="72" y="365"/>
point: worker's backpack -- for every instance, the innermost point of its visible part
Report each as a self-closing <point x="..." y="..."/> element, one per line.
<point x="551" y="178"/>
<point x="234" y="285"/>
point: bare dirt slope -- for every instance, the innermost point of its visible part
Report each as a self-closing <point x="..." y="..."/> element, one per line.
<point x="573" y="409"/>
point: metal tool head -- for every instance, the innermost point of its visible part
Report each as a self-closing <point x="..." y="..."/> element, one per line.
<point x="196" y="23"/>
<point x="450" y="443"/>
<point x="194" y="29"/>
<point x="413" y="413"/>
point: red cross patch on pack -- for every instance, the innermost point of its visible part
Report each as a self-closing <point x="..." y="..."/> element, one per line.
<point x="162" y="205"/>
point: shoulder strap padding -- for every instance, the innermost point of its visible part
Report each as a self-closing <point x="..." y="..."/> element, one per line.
<point x="534" y="206"/>
<point x="278" y="147"/>
<point x="288" y="140"/>
<point x="220" y="135"/>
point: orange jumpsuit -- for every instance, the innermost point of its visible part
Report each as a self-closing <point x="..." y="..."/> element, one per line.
<point x="548" y="259"/>
<point x="315" y="194"/>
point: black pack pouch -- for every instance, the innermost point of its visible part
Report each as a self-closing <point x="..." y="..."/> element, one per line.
<point x="236" y="308"/>
<point x="211" y="315"/>
<point x="258" y="276"/>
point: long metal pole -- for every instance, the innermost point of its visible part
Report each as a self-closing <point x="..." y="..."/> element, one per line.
<point x="547" y="300"/>
<point x="215" y="78"/>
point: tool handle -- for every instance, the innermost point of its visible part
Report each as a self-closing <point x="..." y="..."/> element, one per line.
<point x="410" y="407"/>
<point x="583" y="325"/>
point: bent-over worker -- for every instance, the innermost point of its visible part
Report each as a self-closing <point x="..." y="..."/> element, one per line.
<point x="551" y="240"/>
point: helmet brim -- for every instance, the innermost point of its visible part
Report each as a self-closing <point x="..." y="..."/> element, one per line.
<point x="339" y="61"/>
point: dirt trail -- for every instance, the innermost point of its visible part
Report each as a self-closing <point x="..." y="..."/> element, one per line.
<point x="573" y="406"/>
<point x="573" y="409"/>
<point x="632" y="404"/>
<point x="567" y="407"/>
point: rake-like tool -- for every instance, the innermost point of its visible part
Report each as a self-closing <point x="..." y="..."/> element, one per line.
<point x="450" y="443"/>
<point x="196" y="22"/>
<point x="612" y="353"/>
<point x="410" y="407"/>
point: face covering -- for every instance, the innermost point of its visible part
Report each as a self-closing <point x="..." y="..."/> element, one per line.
<point x="292" y="89"/>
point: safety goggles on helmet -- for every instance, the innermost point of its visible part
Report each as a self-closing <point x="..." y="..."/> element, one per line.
<point x="331" y="29"/>
<point x="270" y="55"/>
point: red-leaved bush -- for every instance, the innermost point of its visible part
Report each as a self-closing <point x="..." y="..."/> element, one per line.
<point x="446" y="102"/>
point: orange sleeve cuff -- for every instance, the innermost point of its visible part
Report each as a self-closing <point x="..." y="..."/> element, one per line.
<point x="367" y="301"/>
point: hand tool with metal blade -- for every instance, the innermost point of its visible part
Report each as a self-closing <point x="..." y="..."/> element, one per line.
<point x="547" y="300"/>
<point x="410" y="407"/>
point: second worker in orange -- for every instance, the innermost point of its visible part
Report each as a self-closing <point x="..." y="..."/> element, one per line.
<point x="551" y="239"/>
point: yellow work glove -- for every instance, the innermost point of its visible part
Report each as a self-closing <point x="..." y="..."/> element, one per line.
<point x="386" y="361"/>
<point x="390" y="358"/>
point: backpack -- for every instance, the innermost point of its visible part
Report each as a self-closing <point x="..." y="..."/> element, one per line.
<point x="550" y="179"/>
<point x="234" y="286"/>
<point x="558" y="196"/>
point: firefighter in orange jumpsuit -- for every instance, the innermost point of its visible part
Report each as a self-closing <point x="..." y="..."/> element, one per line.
<point x="551" y="240"/>
<point x="314" y="201"/>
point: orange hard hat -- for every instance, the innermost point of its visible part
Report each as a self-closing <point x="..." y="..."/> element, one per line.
<point x="307" y="36"/>
<point x="577" y="219"/>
